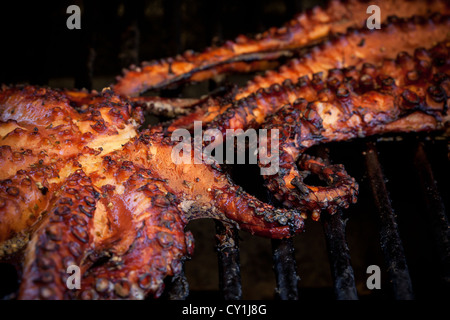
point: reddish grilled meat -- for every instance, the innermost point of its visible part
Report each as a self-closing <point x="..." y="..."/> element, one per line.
<point x="82" y="187"/>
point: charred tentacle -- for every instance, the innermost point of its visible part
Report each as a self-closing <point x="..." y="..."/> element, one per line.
<point x="340" y="192"/>
<point x="245" y="54"/>
<point x="261" y="96"/>
<point x="391" y="103"/>
<point x="63" y="239"/>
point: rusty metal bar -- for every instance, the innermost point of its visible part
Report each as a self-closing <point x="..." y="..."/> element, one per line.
<point x="339" y="256"/>
<point x="391" y="243"/>
<point x="227" y="247"/>
<point x="285" y="269"/>
<point x="338" y="251"/>
<point x="435" y="210"/>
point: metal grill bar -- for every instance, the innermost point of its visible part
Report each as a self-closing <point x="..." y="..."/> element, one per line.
<point x="229" y="265"/>
<point x="338" y="251"/>
<point x="178" y="289"/>
<point x="435" y="210"/>
<point x="391" y="243"/>
<point x="339" y="256"/>
<point x="285" y="269"/>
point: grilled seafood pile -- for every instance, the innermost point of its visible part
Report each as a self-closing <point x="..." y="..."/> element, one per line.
<point x="82" y="184"/>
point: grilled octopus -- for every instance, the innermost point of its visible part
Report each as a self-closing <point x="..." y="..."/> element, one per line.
<point x="79" y="188"/>
<point x="158" y="106"/>
<point x="410" y="93"/>
<point x="88" y="189"/>
<point x="260" y="53"/>
<point x="307" y="78"/>
<point x="80" y="185"/>
<point x="355" y="47"/>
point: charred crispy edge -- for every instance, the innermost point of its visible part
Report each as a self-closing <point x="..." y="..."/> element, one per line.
<point x="84" y="101"/>
<point x="16" y="194"/>
<point x="81" y="100"/>
<point x="256" y="216"/>
<point x="271" y="45"/>
<point x="134" y="81"/>
<point x="62" y="239"/>
<point x="167" y="107"/>
<point x="424" y="88"/>
<point x="250" y="213"/>
<point x="13" y="245"/>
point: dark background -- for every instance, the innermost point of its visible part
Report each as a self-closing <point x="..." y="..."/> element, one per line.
<point x="38" y="48"/>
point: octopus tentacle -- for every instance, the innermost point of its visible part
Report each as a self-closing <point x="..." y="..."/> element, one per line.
<point x="391" y="98"/>
<point x="256" y="216"/>
<point x="259" y="98"/>
<point x="62" y="239"/>
<point x="358" y="46"/>
<point x="245" y="54"/>
<point x="81" y="100"/>
<point x="158" y="250"/>
<point x="317" y="198"/>
<point x="167" y="107"/>
<point x="204" y="190"/>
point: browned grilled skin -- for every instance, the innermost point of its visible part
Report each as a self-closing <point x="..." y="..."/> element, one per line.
<point x="167" y="107"/>
<point x="159" y="247"/>
<point x="410" y="93"/>
<point x="205" y="191"/>
<point x="62" y="239"/>
<point x="353" y="48"/>
<point x="246" y="54"/>
<point x="87" y="186"/>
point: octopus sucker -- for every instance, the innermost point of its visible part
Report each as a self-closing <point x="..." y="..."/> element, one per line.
<point x="251" y="54"/>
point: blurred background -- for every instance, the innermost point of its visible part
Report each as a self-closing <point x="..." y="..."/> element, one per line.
<point x="38" y="47"/>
